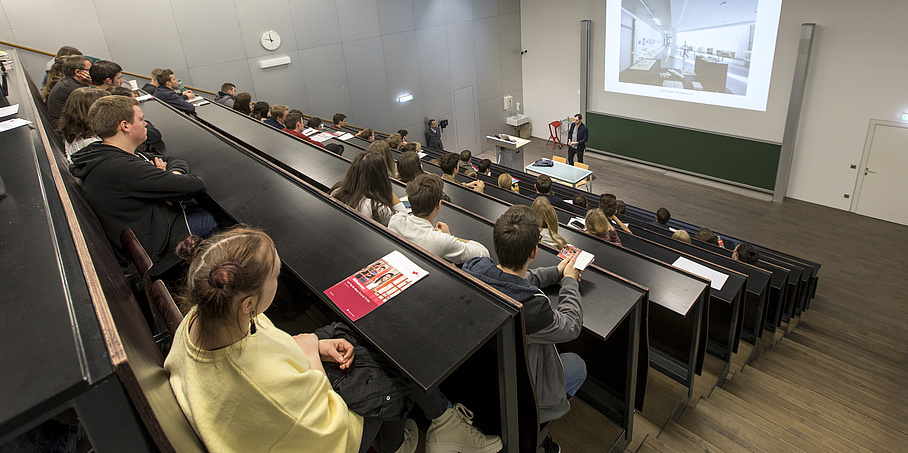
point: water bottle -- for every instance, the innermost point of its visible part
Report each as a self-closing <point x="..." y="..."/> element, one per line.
<point x="180" y="86"/>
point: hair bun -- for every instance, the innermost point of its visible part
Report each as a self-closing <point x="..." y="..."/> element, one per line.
<point x="187" y="249"/>
<point x="225" y="277"/>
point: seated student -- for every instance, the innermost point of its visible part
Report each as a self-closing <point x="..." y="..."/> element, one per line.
<point x="61" y="52"/>
<point x="579" y="201"/>
<point x="367" y="134"/>
<point x="395" y="141"/>
<point x="403" y="136"/>
<point x="314" y="122"/>
<point x="381" y="147"/>
<point x="746" y="253"/>
<point x="339" y="121"/>
<point x="622" y="207"/>
<point x="598" y="225"/>
<point x="105" y="74"/>
<point x="604" y="198"/>
<point x="131" y="190"/>
<point x="246" y="385"/>
<point x="706" y="235"/>
<point x="558" y="376"/>
<point x="681" y="236"/>
<point x="54" y="74"/>
<point x="506" y="182"/>
<point x="153" y="142"/>
<point x="75" y="75"/>
<point x="243" y="103"/>
<point x="226" y="94"/>
<point x="548" y="223"/>
<point x="485" y="167"/>
<point x="166" y="92"/>
<point x="294" y="127"/>
<point x="409" y="166"/>
<point x="465" y="157"/>
<point x="544" y="188"/>
<point x="663" y="216"/>
<point x="278" y="116"/>
<point x="412" y="146"/>
<point x="261" y="111"/>
<point x="74" y="120"/>
<point x="425" y="194"/>
<point x="448" y="164"/>
<point x="610" y="209"/>
<point x="152" y="84"/>
<point x="367" y="188"/>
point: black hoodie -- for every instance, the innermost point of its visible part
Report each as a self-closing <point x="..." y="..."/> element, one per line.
<point x="127" y="191"/>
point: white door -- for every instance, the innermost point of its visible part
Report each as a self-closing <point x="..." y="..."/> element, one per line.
<point x="464" y="122"/>
<point x="883" y="191"/>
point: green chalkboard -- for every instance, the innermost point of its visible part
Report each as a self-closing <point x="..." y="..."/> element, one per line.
<point x="750" y="162"/>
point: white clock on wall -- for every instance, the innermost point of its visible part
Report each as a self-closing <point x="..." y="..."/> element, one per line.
<point x="271" y="40"/>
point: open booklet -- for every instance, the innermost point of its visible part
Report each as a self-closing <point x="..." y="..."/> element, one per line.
<point x="370" y="287"/>
<point x="584" y="259"/>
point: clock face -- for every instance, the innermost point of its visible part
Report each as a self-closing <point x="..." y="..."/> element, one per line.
<point x="271" y="40"/>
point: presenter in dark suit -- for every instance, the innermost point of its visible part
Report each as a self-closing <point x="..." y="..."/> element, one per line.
<point x="577" y="136"/>
<point x="433" y="136"/>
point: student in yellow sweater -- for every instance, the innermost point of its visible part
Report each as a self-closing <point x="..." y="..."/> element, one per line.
<point x="247" y="386"/>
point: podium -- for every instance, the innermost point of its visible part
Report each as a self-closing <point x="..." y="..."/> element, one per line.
<point x="507" y="150"/>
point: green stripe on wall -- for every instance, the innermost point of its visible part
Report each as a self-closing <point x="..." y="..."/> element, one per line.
<point x="736" y="159"/>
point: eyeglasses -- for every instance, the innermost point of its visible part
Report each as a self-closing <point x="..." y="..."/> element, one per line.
<point x="540" y="239"/>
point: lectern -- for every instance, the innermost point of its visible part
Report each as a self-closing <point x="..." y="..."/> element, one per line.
<point x="507" y="150"/>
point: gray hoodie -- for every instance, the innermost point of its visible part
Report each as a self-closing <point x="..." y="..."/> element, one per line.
<point x="545" y="325"/>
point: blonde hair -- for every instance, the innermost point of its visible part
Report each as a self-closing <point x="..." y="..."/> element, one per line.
<point x="505" y="181"/>
<point x="548" y="219"/>
<point x="682" y="236"/>
<point x="596" y="223"/>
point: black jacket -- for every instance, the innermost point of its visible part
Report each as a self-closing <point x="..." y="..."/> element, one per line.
<point x="58" y="96"/>
<point x="174" y="99"/>
<point x="582" y="135"/>
<point x="371" y="387"/>
<point x="149" y="88"/>
<point x="127" y="191"/>
<point x="433" y="139"/>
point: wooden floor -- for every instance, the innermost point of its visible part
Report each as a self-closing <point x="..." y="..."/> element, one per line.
<point x="835" y="381"/>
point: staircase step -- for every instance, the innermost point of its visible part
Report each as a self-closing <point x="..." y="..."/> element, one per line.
<point x="881" y="367"/>
<point x="846" y="393"/>
<point x="755" y="434"/>
<point x="726" y="444"/>
<point x="868" y="340"/>
<point x="818" y="362"/>
<point x="814" y="439"/>
<point x="837" y="347"/>
<point x="796" y="400"/>
<point x="868" y="316"/>
<point x="822" y="321"/>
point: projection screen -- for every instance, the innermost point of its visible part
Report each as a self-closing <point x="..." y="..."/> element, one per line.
<point x="716" y="52"/>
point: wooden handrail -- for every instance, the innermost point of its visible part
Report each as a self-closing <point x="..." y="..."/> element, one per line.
<point x="124" y="72"/>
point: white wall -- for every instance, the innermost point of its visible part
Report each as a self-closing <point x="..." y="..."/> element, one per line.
<point x="349" y="56"/>
<point x="857" y="73"/>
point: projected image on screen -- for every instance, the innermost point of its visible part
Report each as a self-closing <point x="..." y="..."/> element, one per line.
<point x="707" y="51"/>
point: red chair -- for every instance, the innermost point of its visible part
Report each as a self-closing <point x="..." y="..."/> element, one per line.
<point x="553" y="134"/>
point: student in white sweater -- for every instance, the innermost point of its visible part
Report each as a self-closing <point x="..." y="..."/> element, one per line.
<point x="425" y="193"/>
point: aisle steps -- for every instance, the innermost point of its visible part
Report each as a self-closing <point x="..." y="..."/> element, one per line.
<point x="821" y="385"/>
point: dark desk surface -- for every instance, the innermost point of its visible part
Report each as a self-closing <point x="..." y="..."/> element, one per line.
<point x="322" y="166"/>
<point x="52" y="350"/>
<point x="449" y="316"/>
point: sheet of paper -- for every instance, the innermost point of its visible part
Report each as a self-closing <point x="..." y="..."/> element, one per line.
<point x="309" y="131"/>
<point x="421" y="155"/>
<point x="9" y="110"/>
<point x="144" y="97"/>
<point x="345" y="137"/>
<point x="584" y="258"/>
<point x="320" y="137"/>
<point x="12" y="124"/>
<point x="716" y="278"/>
